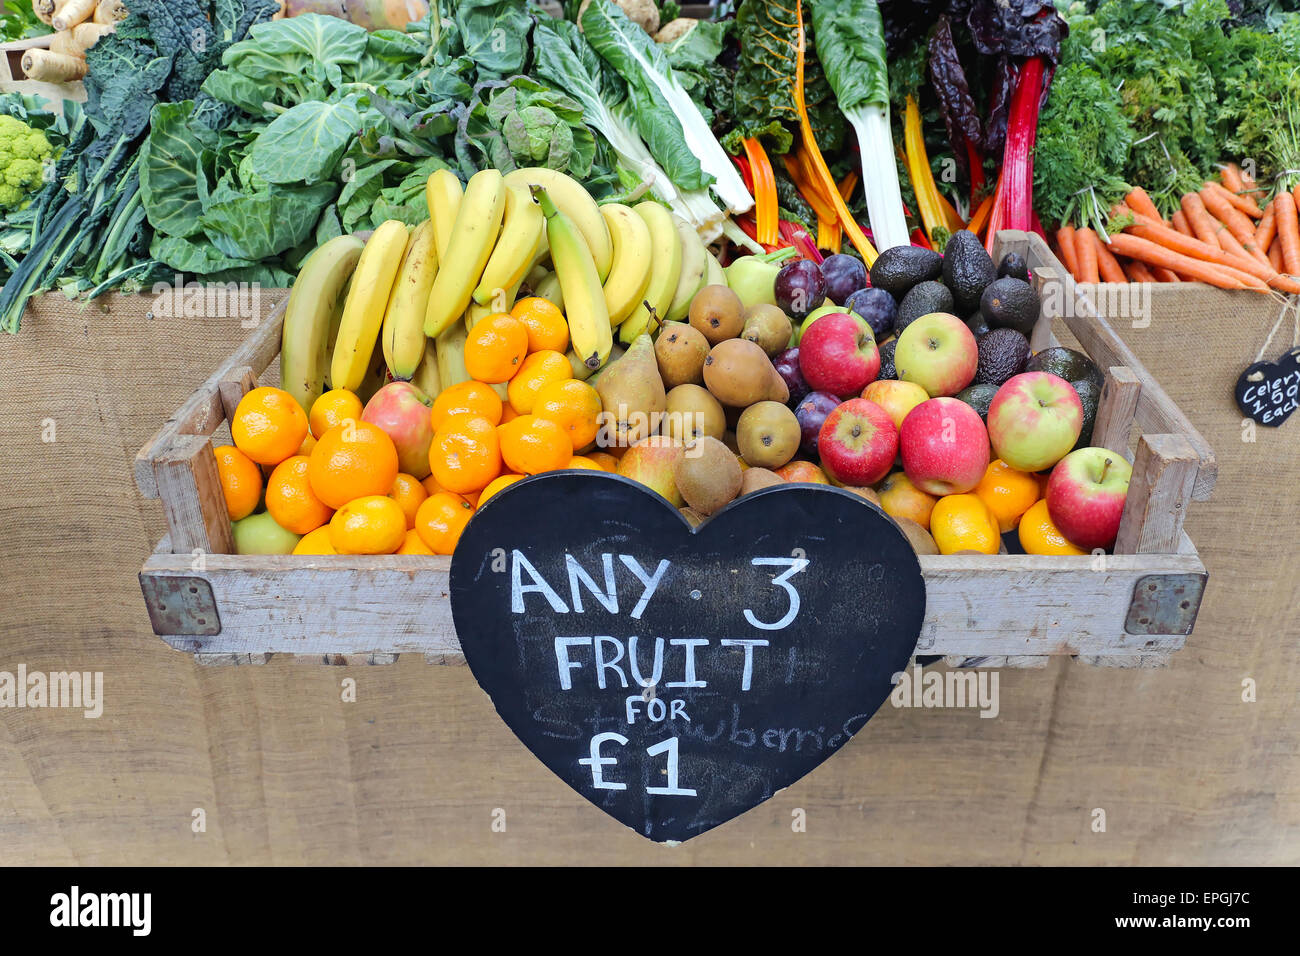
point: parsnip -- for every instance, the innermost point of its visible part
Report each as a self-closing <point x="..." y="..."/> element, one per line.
<point x="44" y="10"/>
<point x="110" y="11"/>
<point x="53" y="67"/>
<point x="71" y="13"/>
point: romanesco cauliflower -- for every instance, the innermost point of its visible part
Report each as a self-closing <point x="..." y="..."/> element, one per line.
<point x="23" y="152"/>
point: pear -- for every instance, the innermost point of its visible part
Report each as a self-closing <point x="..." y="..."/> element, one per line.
<point x="632" y="395"/>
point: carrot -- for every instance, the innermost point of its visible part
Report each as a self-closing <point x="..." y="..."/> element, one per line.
<point x="1199" y="219"/>
<point x="1242" y="204"/>
<point x="1065" y="244"/>
<point x="1288" y="231"/>
<point x="1231" y="176"/>
<point x="1275" y="256"/>
<point x="1239" y="227"/>
<point x="1267" y="228"/>
<point x="1221" y="276"/>
<point x="1179" y="222"/>
<point x="1164" y="274"/>
<point x="1138" y="272"/>
<point x="1085" y="251"/>
<point x="1108" y="266"/>
<point x="1139" y="201"/>
<point x="1195" y="249"/>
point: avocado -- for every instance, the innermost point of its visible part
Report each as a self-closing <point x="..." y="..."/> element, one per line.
<point x="887" y="369"/>
<point x="922" y="299"/>
<point x="1003" y="353"/>
<point x="978" y="397"/>
<point x="899" y="268"/>
<point x="978" y="324"/>
<point x="1089" y="394"/>
<point x="1065" y="363"/>
<point x="1013" y="264"/>
<point x="1011" y="303"/>
<point x="967" y="269"/>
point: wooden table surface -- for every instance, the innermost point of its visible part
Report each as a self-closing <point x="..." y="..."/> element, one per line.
<point x="419" y="766"/>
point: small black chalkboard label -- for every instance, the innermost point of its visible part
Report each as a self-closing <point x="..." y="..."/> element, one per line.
<point x="1269" y="392"/>
<point x="678" y="677"/>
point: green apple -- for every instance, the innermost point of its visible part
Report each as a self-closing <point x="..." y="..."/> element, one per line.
<point x="259" y="534"/>
<point x="1034" y="420"/>
<point x="937" y="352"/>
<point x="816" y="314"/>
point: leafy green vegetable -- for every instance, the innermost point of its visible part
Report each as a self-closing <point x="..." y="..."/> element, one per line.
<point x="169" y="167"/>
<point x="305" y="144"/>
<point x="18" y="21"/>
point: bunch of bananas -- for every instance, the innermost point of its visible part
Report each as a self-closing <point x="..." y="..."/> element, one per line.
<point x="401" y="303"/>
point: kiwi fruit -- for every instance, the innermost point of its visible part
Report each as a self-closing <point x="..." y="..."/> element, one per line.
<point x="768" y="327"/>
<point x="717" y="313"/>
<point x="917" y="537"/>
<point x="768" y="435"/>
<point x="694" y="413"/>
<point x="753" y="479"/>
<point x="863" y="492"/>
<point x="707" y="475"/>
<point x="693" y="516"/>
<point x="680" y="352"/>
<point x="740" y="374"/>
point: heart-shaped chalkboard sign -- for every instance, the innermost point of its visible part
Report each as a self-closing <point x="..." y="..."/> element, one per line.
<point x="1268" y="392"/>
<point x="678" y="677"/>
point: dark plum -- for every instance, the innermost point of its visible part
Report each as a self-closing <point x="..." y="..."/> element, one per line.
<point x="787" y="366"/>
<point x="800" y="288"/>
<point x="876" y="306"/>
<point x="811" y="413"/>
<point x="844" y="276"/>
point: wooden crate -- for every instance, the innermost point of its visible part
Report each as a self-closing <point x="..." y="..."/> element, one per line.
<point x="1132" y="608"/>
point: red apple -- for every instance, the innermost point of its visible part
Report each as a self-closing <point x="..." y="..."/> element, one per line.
<point x="1034" y="420"/>
<point x="838" y="354"/>
<point x="1086" y="494"/>
<point x="945" y="447"/>
<point x="897" y="398"/>
<point x="858" y="443"/>
<point x="938" y="352"/>
<point x="402" y="411"/>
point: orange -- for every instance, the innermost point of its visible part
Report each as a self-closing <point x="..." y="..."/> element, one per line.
<point x="530" y="445"/>
<point x="333" y="408"/>
<point x="1039" y="534"/>
<point x="584" y="463"/>
<point x="964" y="523"/>
<point x="268" y="425"/>
<point x="496" y="348"/>
<point x="467" y="398"/>
<point x="316" y="542"/>
<point x="497" y="484"/>
<point x="241" y="481"/>
<point x="473" y="497"/>
<point x="803" y="471"/>
<point x="370" y="525"/>
<point x="539" y="370"/>
<point x="413" y="544"/>
<point x="409" y="495"/>
<point x="307" y="445"/>
<point x="352" y="460"/>
<point x="465" y="454"/>
<point x="571" y="404"/>
<point x="431" y="486"/>
<point x="441" y="519"/>
<point x="508" y="414"/>
<point x="545" y="324"/>
<point x="1007" y="492"/>
<point x="289" y="497"/>
<point x="902" y="499"/>
<point x="603" y="458"/>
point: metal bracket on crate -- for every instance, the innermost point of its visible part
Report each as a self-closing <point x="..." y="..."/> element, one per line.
<point x="180" y="605"/>
<point x="1165" y="604"/>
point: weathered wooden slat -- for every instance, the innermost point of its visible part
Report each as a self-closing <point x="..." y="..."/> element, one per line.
<point x="203" y="411"/>
<point x="1116" y="410"/>
<point x="1163" y="472"/>
<point x="193" y="502"/>
<point x="234" y="387"/>
<point x="976" y="605"/>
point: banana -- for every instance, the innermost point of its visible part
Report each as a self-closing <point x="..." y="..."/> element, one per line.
<point x="515" y="249"/>
<point x="327" y="344"/>
<point x="427" y="378"/>
<point x="363" y="314"/>
<point x="667" y="254"/>
<point x="585" y="309"/>
<point x="403" y="334"/>
<point x="314" y="301"/>
<point x="694" y="264"/>
<point x="503" y="301"/>
<point x="548" y="288"/>
<point x="478" y="221"/>
<point x="714" y="274"/>
<point x="575" y="202"/>
<point x="629" y="276"/>
<point x="451" y="355"/>
<point x="443" y="193"/>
